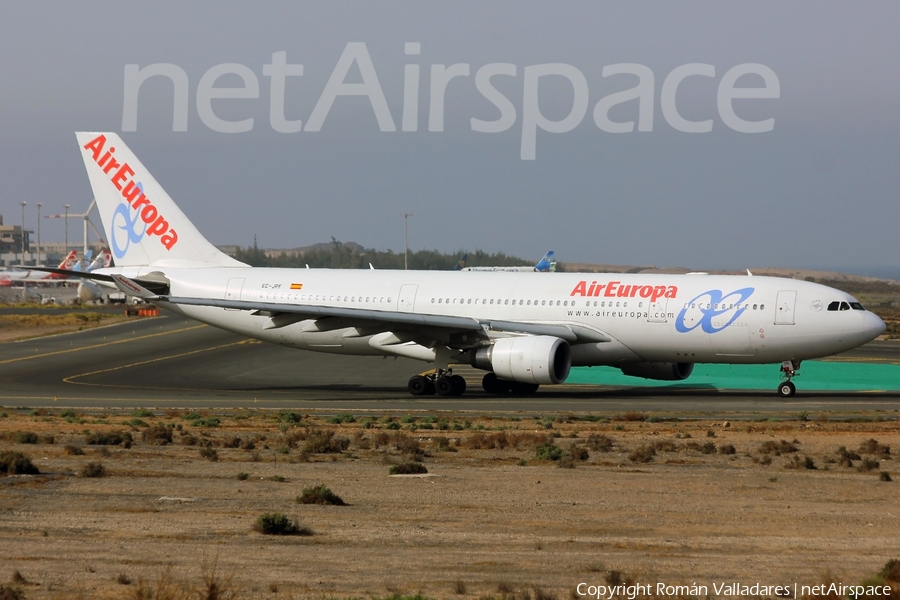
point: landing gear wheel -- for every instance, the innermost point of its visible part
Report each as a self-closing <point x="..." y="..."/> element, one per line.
<point x="459" y="385"/>
<point x="494" y="385"/>
<point x="418" y="386"/>
<point x="444" y="386"/>
<point x="786" y="389"/>
<point x="524" y="389"/>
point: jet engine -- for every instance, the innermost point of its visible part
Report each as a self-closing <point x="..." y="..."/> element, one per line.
<point x="88" y="291"/>
<point x="538" y="359"/>
<point x="662" y="371"/>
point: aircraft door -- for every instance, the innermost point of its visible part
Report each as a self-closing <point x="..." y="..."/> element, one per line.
<point x="406" y="300"/>
<point x="233" y="289"/>
<point x="656" y="313"/>
<point x="784" y="307"/>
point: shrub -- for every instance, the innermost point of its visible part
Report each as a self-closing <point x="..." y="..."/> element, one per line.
<point x="408" y="468"/>
<point x="847" y="456"/>
<point x="633" y="416"/>
<point x="871" y="446"/>
<point x="708" y="448"/>
<point x="11" y="592"/>
<point x="600" y="442"/>
<point x="727" y="449"/>
<point x="93" y="469"/>
<point x="579" y="453"/>
<point x="277" y="479"/>
<point x="73" y="450"/>
<point x="16" y="463"/>
<point x="884" y="476"/>
<point x="279" y="524"/>
<point x="243" y="476"/>
<point x="319" y="494"/>
<point x="665" y="446"/>
<point x="158" y="435"/>
<point x="796" y="463"/>
<point x="68" y="414"/>
<point x="548" y="451"/>
<point x="27" y="437"/>
<point x="392" y="425"/>
<point x="320" y="441"/>
<point x="891" y="570"/>
<point x="108" y="438"/>
<point x="288" y="417"/>
<point x="869" y="464"/>
<point x="777" y="448"/>
<point x="206" y="422"/>
<point x="644" y="454"/>
<point x="123" y="579"/>
<point x="209" y="453"/>
<point x="338" y="419"/>
<point x="141" y="413"/>
<point x="566" y="462"/>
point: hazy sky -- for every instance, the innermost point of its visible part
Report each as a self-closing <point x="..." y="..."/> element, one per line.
<point x="817" y="190"/>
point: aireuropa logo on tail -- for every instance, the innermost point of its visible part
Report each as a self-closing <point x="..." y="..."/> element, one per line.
<point x="136" y="216"/>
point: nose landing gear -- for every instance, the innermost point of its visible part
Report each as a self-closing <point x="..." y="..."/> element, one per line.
<point x="789" y="369"/>
<point x="441" y="381"/>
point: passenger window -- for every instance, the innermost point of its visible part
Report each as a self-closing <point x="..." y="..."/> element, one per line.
<point x="762" y="307"/>
<point x="492" y="300"/>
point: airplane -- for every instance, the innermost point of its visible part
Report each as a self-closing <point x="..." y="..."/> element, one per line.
<point x="9" y="278"/>
<point x="523" y="329"/>
<point x="545" y="265"/>
<point x="90" y="291"/>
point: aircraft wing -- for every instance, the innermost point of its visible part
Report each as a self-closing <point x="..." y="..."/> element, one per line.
<point x="389" y="320"/>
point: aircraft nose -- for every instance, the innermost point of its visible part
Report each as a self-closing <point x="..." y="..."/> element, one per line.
<point x="874" y="326"/>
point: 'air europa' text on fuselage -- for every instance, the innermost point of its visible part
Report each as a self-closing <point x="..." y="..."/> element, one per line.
<point x="615" y="289"/>
<point x="132" y="192"/>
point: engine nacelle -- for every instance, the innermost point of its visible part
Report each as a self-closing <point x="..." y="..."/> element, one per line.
<point x="540" y="359"/>
<point x="662" y="371"/>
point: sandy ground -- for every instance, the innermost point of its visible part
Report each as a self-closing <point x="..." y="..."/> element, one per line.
<point x="484" y="522"/>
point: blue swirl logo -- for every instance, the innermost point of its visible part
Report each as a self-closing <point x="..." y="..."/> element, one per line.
<point x="714" y="304"/>
<point x="124" y="228"/>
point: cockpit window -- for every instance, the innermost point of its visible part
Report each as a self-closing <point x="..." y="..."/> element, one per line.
<point x="845" y="306"/>
<point x="856" y="306"/>
<point x="834" y="305"/>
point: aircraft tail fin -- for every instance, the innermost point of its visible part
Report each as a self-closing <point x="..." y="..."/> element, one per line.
<point x="143" y="224"/>
<point x="546" y="263"/>
<point x="462" y="262"/>
<point x="69" y="261"/>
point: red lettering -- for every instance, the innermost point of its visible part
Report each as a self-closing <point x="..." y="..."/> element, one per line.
<point x="119" y="178"/>
<point x="657" y="292"/>
<point x="141" y="201"/>
<point x="622" y="292"/>
<point x="579" y="289"/>
<point x="130" y="192"/>
<point x="598" y="288"/>
<point x="106" y="156"/>
<point x="611" y="289"/>
<point x="634" y="290"/>
<point x="149" y="214"/>
<point x="646" y="291"/>
<point x="671" y="292"/>
<point x="158" y="227"/>
<point x="170" y="239"/>
<point x="590" y="291"/>
<point x="96" y="146"/>
<point x="112" y="164"/>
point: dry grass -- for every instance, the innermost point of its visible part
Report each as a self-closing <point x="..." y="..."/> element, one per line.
<point x="477" y="520"/>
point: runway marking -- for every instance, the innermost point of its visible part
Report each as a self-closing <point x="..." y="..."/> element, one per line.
<point x="70" y="378"/>
<point x="80" y="348"/>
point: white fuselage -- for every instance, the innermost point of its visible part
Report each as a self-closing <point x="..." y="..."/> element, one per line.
<point x="648" y="317"/>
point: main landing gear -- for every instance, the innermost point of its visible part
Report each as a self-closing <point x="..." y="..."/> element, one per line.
<point x="494" y="385"/>
<point x="789" y="369"/>
<point x="441" y="381"/>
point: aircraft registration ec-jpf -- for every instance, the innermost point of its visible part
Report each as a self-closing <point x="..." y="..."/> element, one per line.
<point x="524" y="329"/>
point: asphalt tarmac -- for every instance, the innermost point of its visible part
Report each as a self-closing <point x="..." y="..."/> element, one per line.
<point x="172" y="362"/>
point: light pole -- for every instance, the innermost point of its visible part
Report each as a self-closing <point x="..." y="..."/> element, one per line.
<point x="67" y="230"/>
<point x="23" y="233"/>
<point x="39" y="205"/>
<point x="406" y="217"/>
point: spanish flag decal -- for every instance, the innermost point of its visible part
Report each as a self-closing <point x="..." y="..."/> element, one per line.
<point x="296" y="286"/>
